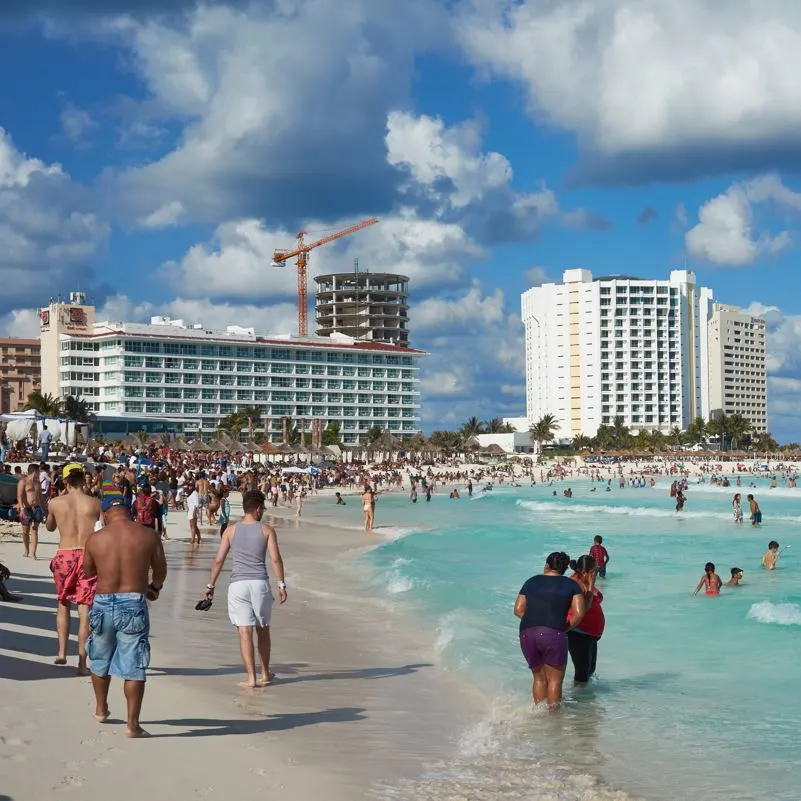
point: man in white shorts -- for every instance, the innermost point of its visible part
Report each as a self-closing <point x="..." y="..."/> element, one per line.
<point x="250" y="598"/>
<point x="192" y="510"/>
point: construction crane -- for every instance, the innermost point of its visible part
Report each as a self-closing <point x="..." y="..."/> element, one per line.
<point x="281" y="257"/>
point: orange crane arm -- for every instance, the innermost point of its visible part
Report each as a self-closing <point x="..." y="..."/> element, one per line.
<point x="325" y="240"/>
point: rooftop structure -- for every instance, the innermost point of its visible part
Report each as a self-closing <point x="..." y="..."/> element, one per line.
<point x="368" y="307"/>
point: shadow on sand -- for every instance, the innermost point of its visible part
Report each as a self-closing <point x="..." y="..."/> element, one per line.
<point x="296" y="676"/>
<point x="16" y="669"/>
<point x="208" y="727"/>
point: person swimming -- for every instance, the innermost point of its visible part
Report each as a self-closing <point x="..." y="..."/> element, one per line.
<point x="736" y="577"/>
<point x="710" y="580"/>
<point x="771" y="556"/>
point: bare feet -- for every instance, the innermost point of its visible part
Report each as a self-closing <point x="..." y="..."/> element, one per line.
<point x="265" y="680"/>
<point x="60" y="660"/>
<point x="102" y="716"/>
<point x="249" y="684"/>
<point x="136" y="733"/>
<point x="83" y="670"/>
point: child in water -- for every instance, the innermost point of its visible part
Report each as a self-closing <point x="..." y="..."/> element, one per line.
<point x="711" y="580"/>
<point x="737" y="508"/>
<point x="600" y="555"/>
<point x="736" y="577"/>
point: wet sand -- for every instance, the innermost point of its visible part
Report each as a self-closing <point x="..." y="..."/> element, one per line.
<point x="357" y="701"/>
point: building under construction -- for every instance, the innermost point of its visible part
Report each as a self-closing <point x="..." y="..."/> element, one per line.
<point x="371" y="307"/>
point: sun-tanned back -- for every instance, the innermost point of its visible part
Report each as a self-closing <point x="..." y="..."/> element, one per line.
<point x="123" y="553"/>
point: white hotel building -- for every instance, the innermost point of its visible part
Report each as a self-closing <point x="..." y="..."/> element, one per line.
<point x="191" y="377"/>
<point x="597" y="349"/>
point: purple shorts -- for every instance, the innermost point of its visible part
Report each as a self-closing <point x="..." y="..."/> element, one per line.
<point x="544" y="646"/>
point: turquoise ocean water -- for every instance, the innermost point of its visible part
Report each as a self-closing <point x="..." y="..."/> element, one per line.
<point x="694" y="696"/>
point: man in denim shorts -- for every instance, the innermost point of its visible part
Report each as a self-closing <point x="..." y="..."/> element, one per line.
<point x="122" y="555"/>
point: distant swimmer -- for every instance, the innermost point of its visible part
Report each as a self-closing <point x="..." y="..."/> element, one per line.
<point x="340" y="501"/>
<point x="771" y="556"/>
<point x="737" y="508"/>
<point x="600" y="555"/>
<point x="680" y="500"/>
<point x="568" y="493"/>
<point x="470" y="489"/>
<point x="711" y="581"/>
<point x="756" y="512"/>
<point x="736" y="577"/>
<point x="455" y="494"/>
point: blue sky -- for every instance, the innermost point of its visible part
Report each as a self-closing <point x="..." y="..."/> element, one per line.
<point x="155" y="153"/>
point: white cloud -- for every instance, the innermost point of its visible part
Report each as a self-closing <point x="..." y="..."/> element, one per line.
<point x="165" y="216"/>
<point x="638" y="78"/>
<point x="514" y="389"/>
<point x="469" y="311"/>
<point x="76" y="123"/>
<point x="278" y="318"/>
<point x="433" y="153"/>
<point x="48" y="232"/>
<point x="449" y="382"/>
<point x="236" y="264"/>
<point x="20" y="323"/>
<point x="725" y="233"/>
<point x="283" y="105"/>
<point x="536" y="276"/>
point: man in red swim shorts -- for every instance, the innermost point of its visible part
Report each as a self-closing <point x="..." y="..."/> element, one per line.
<point x="75" y="515"/>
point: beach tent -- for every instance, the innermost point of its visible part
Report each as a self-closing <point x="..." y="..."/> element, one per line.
<point x="19" y="425"/>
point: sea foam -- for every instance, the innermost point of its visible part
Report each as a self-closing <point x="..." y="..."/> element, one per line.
<point x="785" y="614"/>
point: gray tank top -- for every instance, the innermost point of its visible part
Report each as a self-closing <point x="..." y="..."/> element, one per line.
<point x="249" y="549"/>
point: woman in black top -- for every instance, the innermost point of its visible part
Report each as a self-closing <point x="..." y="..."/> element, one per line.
<point x="543" y="606"/>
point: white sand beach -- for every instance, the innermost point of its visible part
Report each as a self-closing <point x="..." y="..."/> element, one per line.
<point x="357" y="700"/>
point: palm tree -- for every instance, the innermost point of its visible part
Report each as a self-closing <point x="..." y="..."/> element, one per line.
<point x="494" y="426"/>
<point x="719" y="426"/>
<point x="471" y="428"/>
<point x="656" y="441"/>
<point x="76" y="410"/>
<point x="696" y="431"/>
<point x="675" y="437"/>
<point x="45" y="405"/>
<point x="581" y="442"/>
<point x="232" y="425"/>
<point x="621" y="435"/>
<point x="739" y="428"/>
<point x="544" y="430"/>
<point x="764" y="442"/>
<point x="252" y="414"/>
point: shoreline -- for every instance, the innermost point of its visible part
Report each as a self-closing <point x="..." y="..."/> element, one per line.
<point x="358" y="701"/>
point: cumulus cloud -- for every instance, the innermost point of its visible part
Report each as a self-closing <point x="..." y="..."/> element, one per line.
<point x="283" y="107"/>
<point x="537" y="276"/>
<point x="468" y="311"/>
<point x="726" y="233"/>
<point x="278" y="318"/>
<point x="447" y="167"/>
<point x="434" y="154"/>
<point x="653" y="90"/>
<point x="477" y="357"/>
<point x="20" y="323"/>
<point x="48" y="230"/>
<point x="76" y="124"/>
<point x="236" y="263"/>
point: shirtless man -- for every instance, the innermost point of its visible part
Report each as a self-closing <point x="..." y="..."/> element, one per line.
<point x="203" y="489"/>
<point x="31" y="509"/>
<point x="75" y="515"/>
<point x="123" y="556"/>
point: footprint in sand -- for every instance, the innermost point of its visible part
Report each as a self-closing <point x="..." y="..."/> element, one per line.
<point x="70" y="783"/>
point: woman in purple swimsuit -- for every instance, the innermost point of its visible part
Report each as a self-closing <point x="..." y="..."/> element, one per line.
<point x="543" y="606"/>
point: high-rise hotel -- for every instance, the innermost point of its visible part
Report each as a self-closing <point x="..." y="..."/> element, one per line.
<point x="172" y="376"/>
<point x="643" y="350"/>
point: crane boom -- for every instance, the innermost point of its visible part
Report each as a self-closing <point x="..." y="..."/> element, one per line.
<point x="302" y="253"/>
